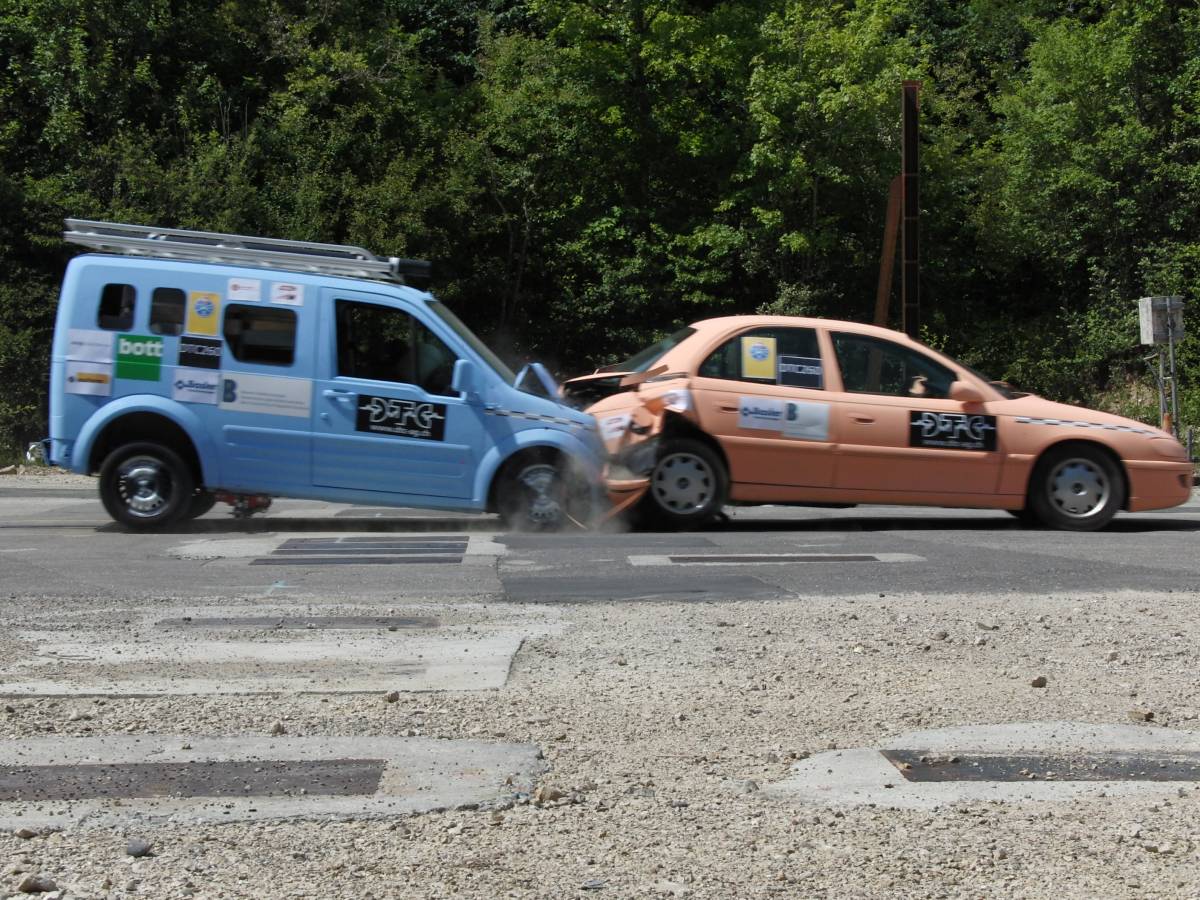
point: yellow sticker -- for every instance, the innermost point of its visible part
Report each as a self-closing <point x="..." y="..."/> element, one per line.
<point x="203" y="312"/>
<point x="758" y="357"/>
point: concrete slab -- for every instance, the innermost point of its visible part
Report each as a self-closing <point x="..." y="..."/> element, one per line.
<point x="414" y="548"/>
<point x="767" y="559"/>
<point x="554" y="587"/>
<point x="173" y="651"/>
<point x="866" y="777"/>
<point x="281" y="777"/>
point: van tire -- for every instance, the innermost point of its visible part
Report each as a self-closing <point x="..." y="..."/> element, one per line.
<point x="539" y="493"/>
<point x="1076" y="487"/>
<point x="688" y="486"/>
<point x="145" y="486"/>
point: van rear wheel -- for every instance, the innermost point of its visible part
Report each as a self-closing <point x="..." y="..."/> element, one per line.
<point x="145" y="486"/>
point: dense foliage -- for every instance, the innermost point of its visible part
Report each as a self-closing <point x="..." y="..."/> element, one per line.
<point x="588" y="175"/>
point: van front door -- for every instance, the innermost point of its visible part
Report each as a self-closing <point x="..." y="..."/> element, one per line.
<point x="385" y="418"/>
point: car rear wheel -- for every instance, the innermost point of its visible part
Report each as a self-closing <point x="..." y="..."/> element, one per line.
<point x="145" y="486"/>
<point x="1076" y="488"/>
<point x="687" y="485"/>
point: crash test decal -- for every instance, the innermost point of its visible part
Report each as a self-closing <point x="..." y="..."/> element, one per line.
<point x="199" y="353"/>
<point x="760" y="413"/>
<point x="139" y="358"/>
<point x="401" y="418"/>
<point x="287" y="293"/>
<point x="951" y="431"/>
<point x="806" y="421"/>
<point x="195" y="385"/>
<point x="800" y="371"/>
<point x="678" y="400"/>
<point x="758" y="357"/>
<point x="247" y="289"/>
<point x="203" y="312"/>
<point x="613" y="427"/>
<point x="86" y="377"/>
<point x="266" y="394"/>
<point x="93" y="346"/>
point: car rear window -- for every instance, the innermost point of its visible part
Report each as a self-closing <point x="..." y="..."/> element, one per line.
<point x="785" y="356"/>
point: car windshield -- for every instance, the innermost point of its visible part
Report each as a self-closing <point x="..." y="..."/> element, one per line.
<point x="644" y="359"/>
<point x="485" y="352"/>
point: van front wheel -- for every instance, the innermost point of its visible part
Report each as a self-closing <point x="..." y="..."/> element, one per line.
<point x="145" y="486"/>
<point x="538" y="494"/>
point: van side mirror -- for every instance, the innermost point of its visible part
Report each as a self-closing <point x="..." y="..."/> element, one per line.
<point x="965" y="393"/>
<point x="465" y="379"/>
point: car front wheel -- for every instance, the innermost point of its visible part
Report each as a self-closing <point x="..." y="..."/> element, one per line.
<point x="687" y="485"/>
<point x="1076" y="488"/>
<point x="145" y="486"/>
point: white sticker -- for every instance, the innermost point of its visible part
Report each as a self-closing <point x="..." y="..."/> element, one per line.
<point x="266" y="394"/>
<point x="95" y="346"/>
<point x="807" y="421"/>
<point x="678" y="400"/>
<point x="761" y="413"/>
<point x="195" y="385"/>
<point x="85" y="377"/>
<point x="244" y="289"/>
<point x="613" y="427"/>
<point x="287" y="293"/>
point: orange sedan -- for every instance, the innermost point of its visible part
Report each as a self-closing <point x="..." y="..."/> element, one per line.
<point x="774" y="409"/>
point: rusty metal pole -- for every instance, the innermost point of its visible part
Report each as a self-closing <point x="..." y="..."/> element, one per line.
<point x="887" y="259"/>
<point x="910" y="261"/>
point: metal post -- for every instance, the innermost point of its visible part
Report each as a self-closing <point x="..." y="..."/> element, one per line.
<point x="1162" y="392"/>
<point x="910" y="265"/>
<point x="1171" y="354"/>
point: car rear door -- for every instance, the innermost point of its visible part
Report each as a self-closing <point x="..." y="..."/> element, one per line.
<point x="899" y="431"/>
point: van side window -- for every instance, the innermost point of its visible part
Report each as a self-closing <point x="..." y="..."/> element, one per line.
<point x="116" y="307"/>
<point x="382" y="343"/>
<point x="261" y="334"/>
<point x="789" y="357"/>
<point x="166" y="311"/>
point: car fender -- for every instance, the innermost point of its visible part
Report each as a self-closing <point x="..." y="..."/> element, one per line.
<point x="528" y="439"/>
<point x="181" y="415"/>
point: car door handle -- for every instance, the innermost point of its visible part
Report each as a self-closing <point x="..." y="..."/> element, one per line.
<point x="863" y="420"/>
<point x="339" y="396"/>
<point x="727" y="408"/>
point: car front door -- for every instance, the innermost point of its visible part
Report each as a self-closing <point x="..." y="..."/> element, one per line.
<point x="761" y="394"/>
<point x="900" y="432"/>
<point x="385" y="417"/>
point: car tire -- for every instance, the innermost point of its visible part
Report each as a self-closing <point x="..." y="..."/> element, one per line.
<point x="688" y="485"/>
<point x="1076" y="488"/>
<point x="539" y="493"/>
<point x="202" y="501"/>
<point x="1025" y="516"/>
<point x="145" y="486"/>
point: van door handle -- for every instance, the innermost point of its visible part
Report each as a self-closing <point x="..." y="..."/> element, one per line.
<point x="863" y="420"/>
<point x="339" y="396"/>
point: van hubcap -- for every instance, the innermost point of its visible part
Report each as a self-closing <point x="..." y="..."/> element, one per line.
<point x="683" y="483"/>
<point x="541" y="484"/>
<point x="1078" y="488"/>
<point x="144" y="486"/>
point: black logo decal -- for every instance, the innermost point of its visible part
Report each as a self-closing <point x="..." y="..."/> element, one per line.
<point x="403" y="418"/>
<point x="951" y="431"/>
<point x="199" y="353"/>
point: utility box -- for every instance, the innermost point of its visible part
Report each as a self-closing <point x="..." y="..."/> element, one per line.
<point x="1160" y="319"/>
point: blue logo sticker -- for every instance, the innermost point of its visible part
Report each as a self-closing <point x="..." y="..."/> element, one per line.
<point x="204" y="308"/>
<point x="759" y="351"/>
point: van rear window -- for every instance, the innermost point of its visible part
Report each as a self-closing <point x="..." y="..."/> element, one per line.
<point x="265" y="335"/>
<point x="116" y="307"/>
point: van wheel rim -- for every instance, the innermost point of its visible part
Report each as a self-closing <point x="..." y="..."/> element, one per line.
<point x="541" y="484"/>
<point x="1078" y="488"/>
<point x="144" y="486"/>
<point x="683" y="483"/>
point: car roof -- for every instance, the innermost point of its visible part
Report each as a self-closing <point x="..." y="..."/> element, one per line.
<point x="722" y="324"/>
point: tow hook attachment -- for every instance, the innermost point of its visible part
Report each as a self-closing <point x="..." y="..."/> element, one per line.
<point x="245" y="505"/>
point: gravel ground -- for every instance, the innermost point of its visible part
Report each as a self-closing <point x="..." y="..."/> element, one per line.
<point x="660" y="721"/>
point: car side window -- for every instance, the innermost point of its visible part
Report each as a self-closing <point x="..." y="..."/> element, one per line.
<point x="383" y="343"/>
<point x="783" y="356"/>
<point x="870" y="365"/>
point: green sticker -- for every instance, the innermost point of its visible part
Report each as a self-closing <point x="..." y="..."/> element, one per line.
<point x="139" y="358"/>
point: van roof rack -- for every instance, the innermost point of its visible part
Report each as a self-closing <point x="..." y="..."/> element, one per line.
<point x="236" y="249"/>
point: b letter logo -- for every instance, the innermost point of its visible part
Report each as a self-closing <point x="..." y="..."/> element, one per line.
<point x="139" y="358"/>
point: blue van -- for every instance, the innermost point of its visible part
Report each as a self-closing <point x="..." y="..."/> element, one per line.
<point x="190" y="366"/>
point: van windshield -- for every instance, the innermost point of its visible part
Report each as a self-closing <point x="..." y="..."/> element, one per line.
<point x="484" y="351"/>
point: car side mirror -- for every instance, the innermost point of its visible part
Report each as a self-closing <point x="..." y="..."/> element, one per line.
<point x="464" y="379"/>
<point x="965" y="393"/>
